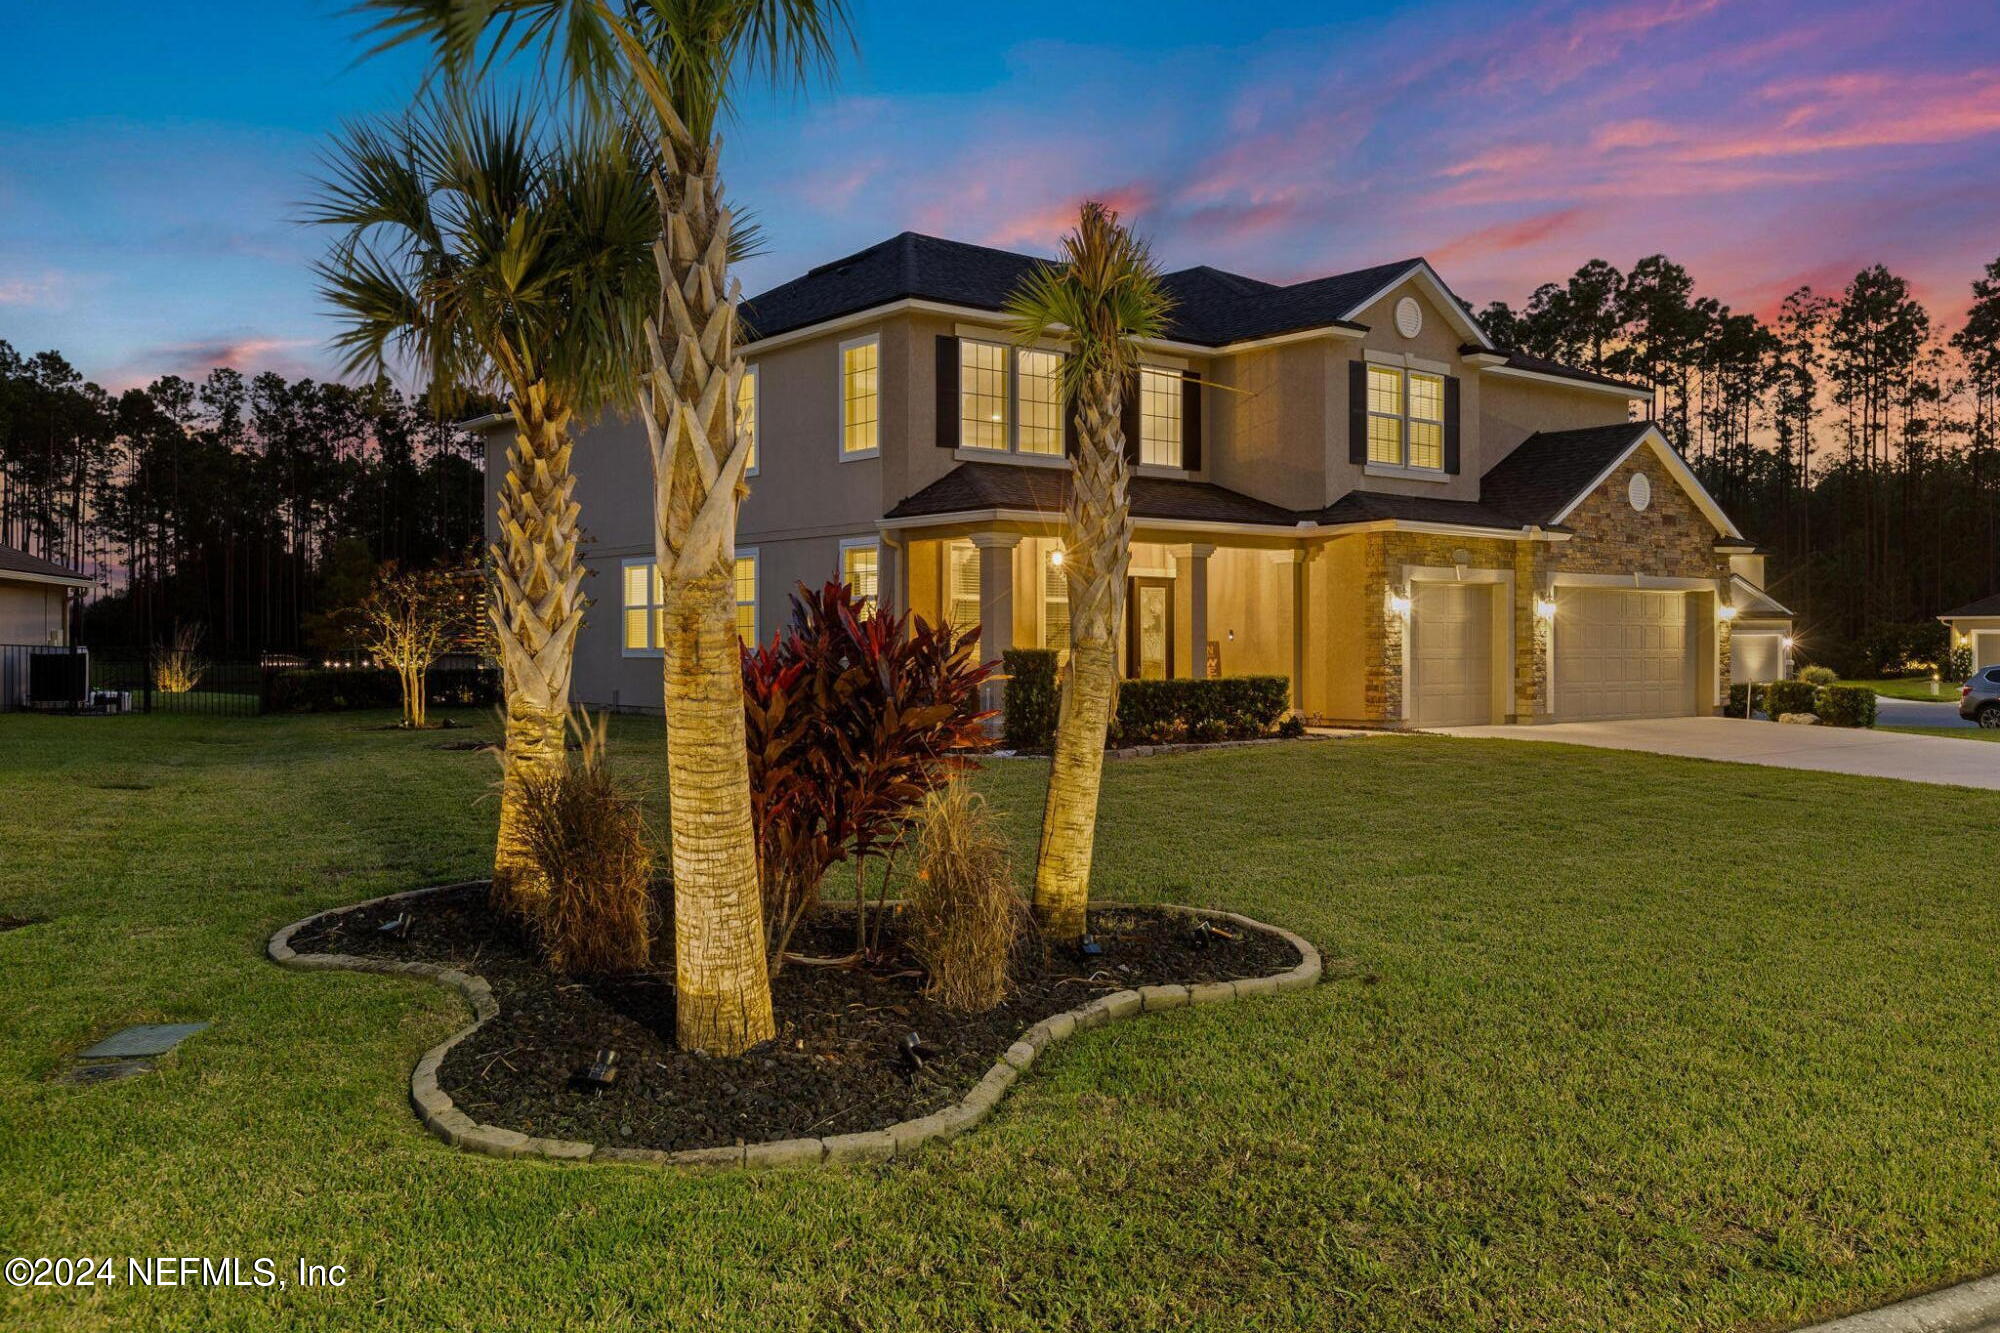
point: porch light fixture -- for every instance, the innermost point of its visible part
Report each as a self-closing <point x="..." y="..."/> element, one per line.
<point x="1399" y="603"/>
<point x="1545" y="608"/>
<point x="1726" y="611"/>
<point x="1786" y="643"/>
<point x="1056" y="558"/>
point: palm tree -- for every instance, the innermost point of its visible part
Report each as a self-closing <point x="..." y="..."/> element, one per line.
<point x="1102" y="298"/>
<point x="502" y="257"/>
<point x="669" y="64"/>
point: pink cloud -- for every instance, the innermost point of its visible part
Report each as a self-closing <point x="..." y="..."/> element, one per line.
<point x="193" y="360"/>
<point x="1519" y="234"/>
<point x="50" y="290"/>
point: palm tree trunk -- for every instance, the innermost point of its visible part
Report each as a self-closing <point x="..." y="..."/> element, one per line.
<point x="721" y="977"/>
<point x="1097" y="548"/>
<point x="537" y="609"/>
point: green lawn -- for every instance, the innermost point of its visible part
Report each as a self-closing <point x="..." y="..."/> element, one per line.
<point x="1952" y="733"/>
<point x="1911" y="687"/>
<point x="1625" y="1042"/>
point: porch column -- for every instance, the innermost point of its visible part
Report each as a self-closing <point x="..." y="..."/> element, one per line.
<point x="996" y="602"/>
<point x="1191" y="609"/>
<point x="1293" y="563"/>
<point x="891" y="593"/>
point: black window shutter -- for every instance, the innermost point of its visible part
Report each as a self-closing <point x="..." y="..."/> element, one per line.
<point x="1191" y="421"/>
<point x="1071" y="441"/>
<point x="1129" y="419"/>
<point x="1357" y="411"/>
<point x="947" y="391"/>
<point x="1451" y="424"/>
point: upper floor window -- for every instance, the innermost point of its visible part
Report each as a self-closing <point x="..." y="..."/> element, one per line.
<point x="1041" y="402"/>
<point x="1160" y="418"/>
<point x="745" y="580"/>
<point x="860" y="397"/>
<point x="1405" y="418"/>
<point x="982" y="394"/>
<point x="1009" y="399"/>
<point x="860" y="566"/>
<point x="746" y="414"/>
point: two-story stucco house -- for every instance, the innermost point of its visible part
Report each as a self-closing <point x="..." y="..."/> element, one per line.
<point x="1341" y="481"/>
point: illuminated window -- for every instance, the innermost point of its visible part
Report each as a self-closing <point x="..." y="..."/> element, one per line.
<point x="1160" y="418"/>
<point x="644" y="610"/>
<point x="745" y="573"/>
<point x="1055" y="605"/>
<point x="746" y="413"/>
<point x="1405" y="418"/>
<point x="982" y="395"/>
<point x="1041" y="403"/>
<point x="860" y="397"/>
<point x="860" y="562"/>
<point x="964" y="585"/>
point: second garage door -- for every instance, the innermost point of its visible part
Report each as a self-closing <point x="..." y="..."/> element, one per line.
<point x="1622" y="653"/>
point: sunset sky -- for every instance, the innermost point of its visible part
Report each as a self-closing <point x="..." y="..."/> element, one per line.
<point x="153" y="157"/>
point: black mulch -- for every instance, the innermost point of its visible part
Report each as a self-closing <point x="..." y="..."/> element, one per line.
<point x="835" y="1066"/>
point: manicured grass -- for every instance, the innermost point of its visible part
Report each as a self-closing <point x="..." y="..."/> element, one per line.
<point x="1624" y="1042"/>
<point x="1951" y="733"/>
<point x="1911" y="687"/>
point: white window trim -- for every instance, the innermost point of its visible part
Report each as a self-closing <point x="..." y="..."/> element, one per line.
<point x="840" y="399"/>
<point x="873" y="542"/>
<point x="1434" y="475"/>
<point x="757" y="410"/>
<point x="756" y="592"/>
<point x="652" y="623"/>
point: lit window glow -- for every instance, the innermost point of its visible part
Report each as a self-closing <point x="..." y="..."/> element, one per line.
<point x="1160" y="418"/>
<point x="860" y="387"/>
<point x="860" y="563"/>
<point x="645" y="615"/>
<point x="982" y="394"/>
<point x="1405" y="408"/>
<point x="1040" y="392"/>
<point x="746" y="414"/>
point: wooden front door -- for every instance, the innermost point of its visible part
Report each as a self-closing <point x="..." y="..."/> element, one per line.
<point x="1149" y="629"/>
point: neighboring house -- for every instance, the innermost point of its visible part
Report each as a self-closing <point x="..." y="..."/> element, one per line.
<point x="34" y="598"/>
<point x="1976" y="625"/>
<point x="1341" y="481"/>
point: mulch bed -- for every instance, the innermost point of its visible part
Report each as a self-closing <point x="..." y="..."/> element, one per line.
<point x="835" y="1066"/>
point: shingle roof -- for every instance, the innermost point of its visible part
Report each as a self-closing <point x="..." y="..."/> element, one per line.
<point x="1376" y="506"/>
<point x="972" y="487"/>
<point x="1985" y="606"/>
<point x="1541" y="365"/>
<point x="20" y="562"/>
<point x="1212" y="307"/>
<point x="1551" y="468"/>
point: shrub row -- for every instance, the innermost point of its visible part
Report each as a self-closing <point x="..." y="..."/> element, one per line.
<point x="1835" y="705"/>
<point x="325" y="690"/>
<point x="1150" y="712"/>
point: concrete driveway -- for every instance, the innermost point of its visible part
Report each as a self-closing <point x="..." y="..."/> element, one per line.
<point x="1872" y="754"/>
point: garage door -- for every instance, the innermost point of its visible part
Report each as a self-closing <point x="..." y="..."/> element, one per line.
<point x="1985" y="648"/>
<point x="1451" y="654"/>
<point x="1622" y="653"/>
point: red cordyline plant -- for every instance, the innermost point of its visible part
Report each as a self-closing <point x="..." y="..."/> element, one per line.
<point x="852" y="718"/>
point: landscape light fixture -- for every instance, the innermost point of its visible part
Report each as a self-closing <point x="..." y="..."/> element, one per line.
<point x="914" y="1053"/>
<point x="602" y="1072"/>
<point x="1088" y="946"/>
<point x="396" y="929"/>
<point x="1205" y="932"/>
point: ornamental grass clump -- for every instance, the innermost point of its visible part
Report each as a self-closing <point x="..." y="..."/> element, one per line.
<point x="585" y="834"/>
<point x="965" y="919"/>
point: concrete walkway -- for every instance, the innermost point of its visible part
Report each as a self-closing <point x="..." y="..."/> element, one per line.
<point x="1873" y="754"/>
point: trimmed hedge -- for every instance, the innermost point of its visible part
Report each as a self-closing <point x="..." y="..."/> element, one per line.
<point x="1150" y="712"/>
<point x="325" y="690"/>
<point x="1847" y="706"/>
<point x="1232" y="708"/>
<point x="1030" y="719"/>
<point x="1789" y="696"/>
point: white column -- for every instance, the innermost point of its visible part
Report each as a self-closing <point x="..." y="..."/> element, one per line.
<point x="996" y="601"/>
<point x="1191" y="609"/>
<point x="1293" y="563"/>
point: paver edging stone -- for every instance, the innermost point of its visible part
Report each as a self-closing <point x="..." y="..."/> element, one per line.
<point x="441" y="1117"/>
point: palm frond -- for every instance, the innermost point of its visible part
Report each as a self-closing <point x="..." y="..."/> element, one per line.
<point x="1102" y="297"/>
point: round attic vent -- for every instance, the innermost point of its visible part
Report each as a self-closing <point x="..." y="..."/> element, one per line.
<point x="1639" y="491"/>
<point x="1409" y="317"/>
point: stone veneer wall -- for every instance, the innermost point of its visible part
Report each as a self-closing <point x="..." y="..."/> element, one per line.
<point x="1670" y="538"/>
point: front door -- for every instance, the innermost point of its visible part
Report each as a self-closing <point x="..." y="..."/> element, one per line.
<point x="1149" y="629"/>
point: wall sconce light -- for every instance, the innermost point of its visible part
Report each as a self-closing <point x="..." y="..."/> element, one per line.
<point x="1399" y="603"/>
<point x="1726" y="611"/>
<point x="1545" y="608"/>
<point x="1056" y="558"/>
<point x="1787" y="643"/>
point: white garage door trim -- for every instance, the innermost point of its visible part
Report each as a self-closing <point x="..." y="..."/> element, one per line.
<point x="1643" y="693"/>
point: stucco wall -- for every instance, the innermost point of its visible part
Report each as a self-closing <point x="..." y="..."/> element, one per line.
<point x="31" y="612"/>
<point x="1510" y="410"/>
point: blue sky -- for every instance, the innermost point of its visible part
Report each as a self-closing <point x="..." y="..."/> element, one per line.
<point x="153" y="157"/>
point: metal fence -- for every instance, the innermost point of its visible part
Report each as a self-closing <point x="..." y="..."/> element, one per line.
<point x="78" y="679"/>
